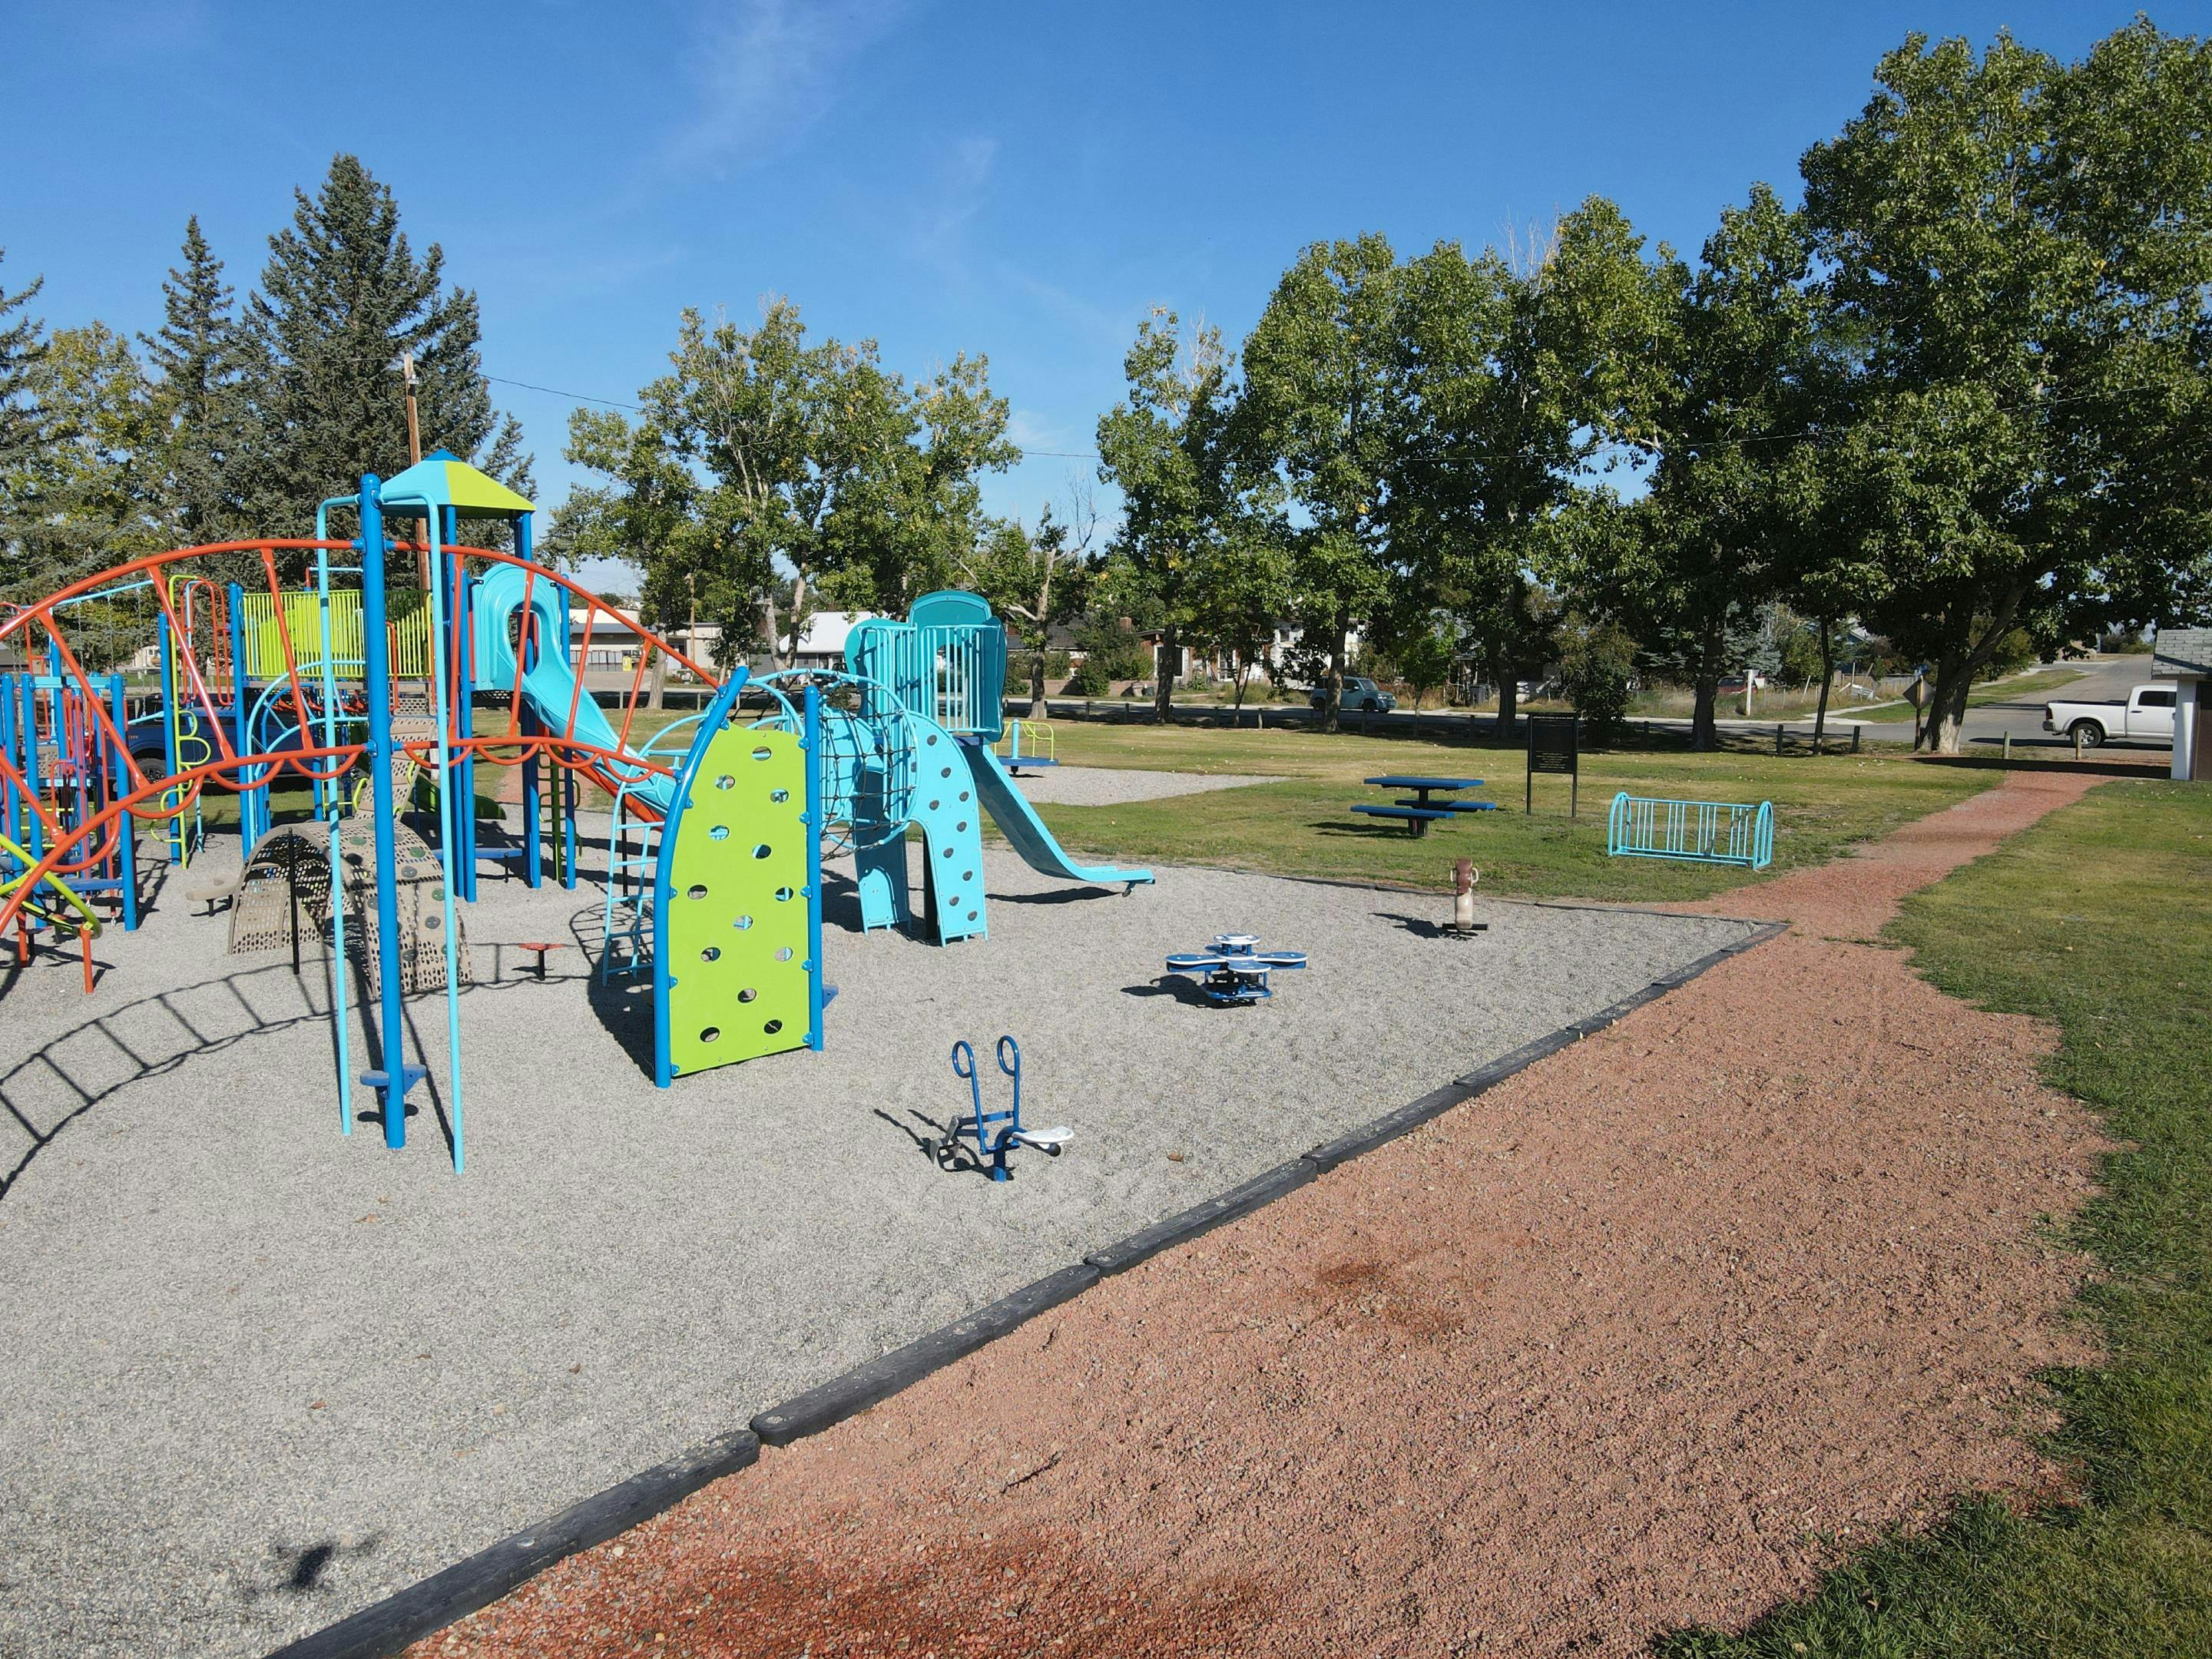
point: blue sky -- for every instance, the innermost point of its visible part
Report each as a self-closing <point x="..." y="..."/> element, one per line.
<point x="1023" y="180"/>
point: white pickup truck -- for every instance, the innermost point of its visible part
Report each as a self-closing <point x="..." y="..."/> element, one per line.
<point x="2147" y="715"/>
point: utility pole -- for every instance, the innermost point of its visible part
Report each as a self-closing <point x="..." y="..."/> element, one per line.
<point x="413" y="455"/>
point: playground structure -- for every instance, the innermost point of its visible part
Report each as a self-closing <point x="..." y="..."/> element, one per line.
<point x="1235" y="973"/>
<point x="389" y="670"/>
<point x="59" y="770"/>
<point x="995" y="1134"/>
<point x="1697" y="831"/>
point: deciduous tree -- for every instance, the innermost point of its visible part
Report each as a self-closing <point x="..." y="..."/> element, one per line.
<point x="2025" y="247"/>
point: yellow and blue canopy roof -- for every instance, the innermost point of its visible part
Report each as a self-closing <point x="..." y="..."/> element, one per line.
<point x="442" y="480"/>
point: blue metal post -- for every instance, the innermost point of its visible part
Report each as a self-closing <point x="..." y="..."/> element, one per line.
<point x="34" y="841"/>
<point x="813" y="743"/>
<point x="453" y="583"/>
<point x="252" y="803"/>
<point x="531" y="649"/>
<point x="568" y="827"/>
<point x="449" y="813"/>
<point x="338" y="980"/>
<point x="396" y="1076"/>
<point x="169" y="730"/>
<point x="126" y="827"/>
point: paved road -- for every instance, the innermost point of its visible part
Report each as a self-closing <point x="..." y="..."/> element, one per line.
<point x="2104" y="679"/>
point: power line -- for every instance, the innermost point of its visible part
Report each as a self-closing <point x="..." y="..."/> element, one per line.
<point x="573" y="397"/>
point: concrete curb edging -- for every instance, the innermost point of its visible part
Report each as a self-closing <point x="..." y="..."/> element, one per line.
<point x="386" y="1627"/>
<point x="878" y="1379"/>
<point x="478" y="1581"/>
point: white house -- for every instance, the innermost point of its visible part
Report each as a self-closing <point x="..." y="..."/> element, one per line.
<point x="2183" y="655"/>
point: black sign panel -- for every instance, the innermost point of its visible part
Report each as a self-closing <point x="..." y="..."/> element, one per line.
<point x="1551" y="746"/>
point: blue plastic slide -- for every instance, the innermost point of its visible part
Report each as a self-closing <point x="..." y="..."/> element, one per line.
<point x="549" y="685"/>
<point x="1025" y="832"/>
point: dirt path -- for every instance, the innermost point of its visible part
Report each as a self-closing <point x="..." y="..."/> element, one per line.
<point x="1604" y="1353"/>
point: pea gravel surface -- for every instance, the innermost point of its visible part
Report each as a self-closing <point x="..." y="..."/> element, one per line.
<point x="259" y="1373"/>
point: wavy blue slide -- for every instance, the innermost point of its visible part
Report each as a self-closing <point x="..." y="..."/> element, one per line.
<point x="1025" y="832"/>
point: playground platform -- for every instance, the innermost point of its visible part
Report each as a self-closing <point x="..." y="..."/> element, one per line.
<point x="260" y="1374"/>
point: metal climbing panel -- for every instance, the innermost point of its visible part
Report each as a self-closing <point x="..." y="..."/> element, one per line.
<point x="285" y="888"/>
<point x="732" y="903"/>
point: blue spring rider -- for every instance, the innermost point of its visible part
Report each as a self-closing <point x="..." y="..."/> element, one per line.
<point x="996" y="1133"/>
<point x="1234" y="973"/>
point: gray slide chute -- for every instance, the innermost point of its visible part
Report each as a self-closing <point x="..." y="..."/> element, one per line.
<point x="1025" y="832"/>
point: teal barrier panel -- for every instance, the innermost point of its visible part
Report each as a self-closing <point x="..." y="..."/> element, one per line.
<point x="1700" y="831"/>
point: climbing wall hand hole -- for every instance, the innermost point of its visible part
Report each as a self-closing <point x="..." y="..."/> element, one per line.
<point x="696" y="890"/>
<point x="761" y="851"/>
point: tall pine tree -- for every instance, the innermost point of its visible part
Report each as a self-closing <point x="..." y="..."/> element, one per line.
<point x="342" y="297"/>
<point x="199" y="354"/>
<point x="22" y="345"/>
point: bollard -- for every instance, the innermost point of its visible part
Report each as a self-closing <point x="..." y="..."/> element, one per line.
<point x="2077" y="742"/>
<point x="2008" y="746"/>
<point x="1778" y="738"/>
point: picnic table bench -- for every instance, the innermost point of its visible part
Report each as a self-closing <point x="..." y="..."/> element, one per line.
<point x="1422" y="807"/>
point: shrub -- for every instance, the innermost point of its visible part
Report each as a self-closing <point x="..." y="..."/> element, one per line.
<point x="1597" y="668"/>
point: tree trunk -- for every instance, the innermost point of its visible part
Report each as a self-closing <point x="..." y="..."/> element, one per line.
<point x="798" y="617"/>
<point x="1333" y="688"/>
<point x="1509" y="701"/>
<point x="1038" y="708"/>
<point x="1704" y="726"/>
<point x="1945" y="730"/>
<point x="656" y="696"/>
<point x="1170" y="650"/>
<point x="1243" y="669"/>
<point x="1827" y="677"/>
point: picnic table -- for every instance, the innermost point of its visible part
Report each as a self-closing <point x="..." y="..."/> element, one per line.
<point x="1423" y="807"/>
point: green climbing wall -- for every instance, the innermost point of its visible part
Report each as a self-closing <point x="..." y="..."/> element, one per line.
<point x="731" y="932"/>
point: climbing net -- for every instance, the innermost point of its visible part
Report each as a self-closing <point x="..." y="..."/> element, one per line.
<point x="867" y="763"/>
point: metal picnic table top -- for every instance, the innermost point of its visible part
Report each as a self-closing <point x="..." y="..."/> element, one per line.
<point x="1399" y="781"/>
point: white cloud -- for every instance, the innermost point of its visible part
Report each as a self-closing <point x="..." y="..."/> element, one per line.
<point x="770" y="69"/>
<point x="964" y="181"/>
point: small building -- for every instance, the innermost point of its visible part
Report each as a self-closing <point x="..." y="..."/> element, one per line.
<point x="2183" y="655"/>
<point x="822" y="637"/>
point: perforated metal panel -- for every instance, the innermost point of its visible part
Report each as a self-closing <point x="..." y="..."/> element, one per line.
<point x="731" y="925"/>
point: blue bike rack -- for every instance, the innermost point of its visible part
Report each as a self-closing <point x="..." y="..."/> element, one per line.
<point x="1234" y="973"/>
<point x="1697" y="831"/>
<point x="995" y="1134"/>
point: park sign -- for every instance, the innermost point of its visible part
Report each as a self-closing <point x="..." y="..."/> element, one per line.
<point x="1554" y="746"/>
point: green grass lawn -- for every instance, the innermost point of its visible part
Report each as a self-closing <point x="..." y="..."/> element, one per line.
<point x="1302" y="827"/>
<point x="2099" y="920"/>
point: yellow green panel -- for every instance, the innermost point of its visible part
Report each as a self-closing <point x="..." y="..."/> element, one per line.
<point x="442" y="481"/>
<point x="736" y="907"/>
<point x="409" y="627"/>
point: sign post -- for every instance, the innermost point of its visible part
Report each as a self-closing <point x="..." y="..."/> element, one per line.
<point x="1553" y="747"/>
